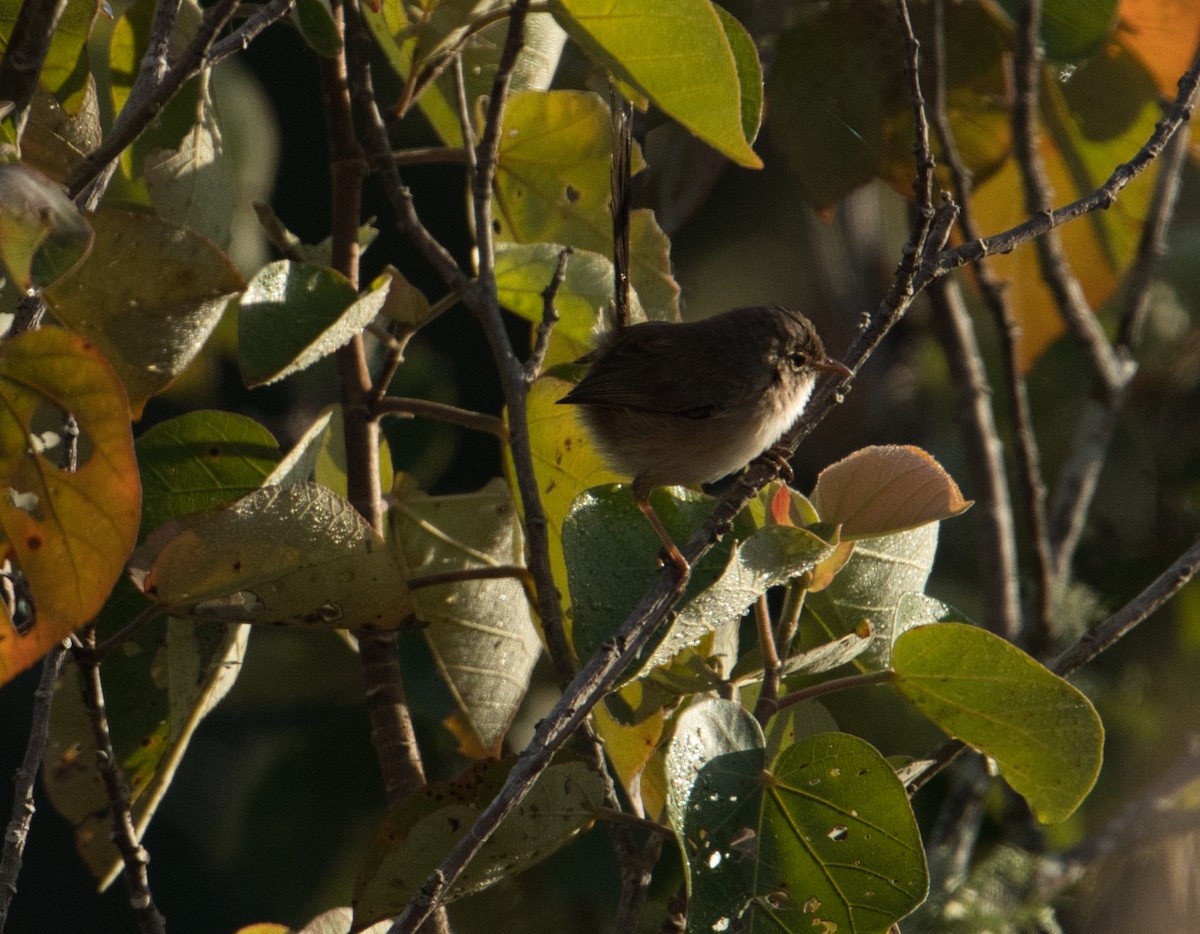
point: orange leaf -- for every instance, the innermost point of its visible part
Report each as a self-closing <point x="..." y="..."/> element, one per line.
<point x="886" y="489"/>
<point x="67" y="534"/>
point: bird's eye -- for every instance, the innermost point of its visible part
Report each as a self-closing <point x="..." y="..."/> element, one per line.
<point x="798" y="360"/>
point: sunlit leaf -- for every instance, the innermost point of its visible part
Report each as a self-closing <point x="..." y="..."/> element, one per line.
<point x="678" y="53"/>
<point x="870" y="588"/>
<point x="294" y="556"/>
<point x="68" y="533"/>
<point x="294" y="314"/>
<point x="42" y="234"/>
<point x="883" y="489"/>
<point x="418" y="834"/>
<point x="1042" y="732"/>
<point x="148" y="296"/>
<point x="1162" y="35"/>
<point x="823" y="839"/>
<point x="630" y="723"/>
<point x="564" y="461"/>
<point x="553" y="186"/>
<point x="481" y="632"/>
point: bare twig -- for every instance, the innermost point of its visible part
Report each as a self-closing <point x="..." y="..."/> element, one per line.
<point x="533" y="366"/>
<point x="993" y="515"/>
<point x="511" y="372"/>
<point x="424" y="408"/>
<point x="239" y="40"/>
<point x="23" y="807"/>
<point x="25" y="54"/>
<point x="994" y="518"/>
<point x="146" y="101"/>
<point x="133" y="854"/>
<point x="1103" y="635"/>
<point x="621" y="117"/>
<point x="1099" y="199"/>
<point x="1093" y="434"/>
<point x="772" y="666"/>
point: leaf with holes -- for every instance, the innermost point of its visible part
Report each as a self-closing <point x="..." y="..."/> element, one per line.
<point x="67" y="533"/>
<point x="822" y="839"/>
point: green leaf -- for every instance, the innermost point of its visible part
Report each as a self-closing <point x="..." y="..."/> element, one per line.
<point x="201" y="460"/>
<point x="194" y="184"/>
<point x="67" y="532"/>
<point x="1071" y="29"/>
<point x="879" y="575"/>
<point x="678" y="53"/>
<point x="148" y="296"/>
<point x="823" y="839"/>
<point x="293" y="556"/>
<point x="42" y="234"/>
<point x="768" y="557"/>
<point x="294" y="314"/>
<point x="1042" y="732"/>
<point x="317" y="27"/>
<point x="481" y="632"/>
<point x="418" y="834"/>
<point x="611" y="554"/>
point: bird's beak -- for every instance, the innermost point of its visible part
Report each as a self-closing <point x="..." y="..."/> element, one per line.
<point x="836" y="367"/>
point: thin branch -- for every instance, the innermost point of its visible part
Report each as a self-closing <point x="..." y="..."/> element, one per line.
<point x="621" y="124"/>
<point x="239" y="40"/>
<point x="425" y="408"/>
<point x="994" y="517"/>
<point x="141" y="109"/>
<point x="133" y="855"/>
<point x="23" y="807"/>
<point x="512" y="374"/>
<point x="533" y="366"/>
<point x="25" y="54"/>
<point x="1081" y="470"/>
<point x="772" y="666"/>
<point x="1101" y="198"/>
<point x="1100" y="637"/>
<point x="1071" y="304"/>
<point x="431" y="155"/>
<point x="1052" y="260"/>
<point x="997" y="562"/>
<point x="469" y="574"/>
<point x="833" y="685"/>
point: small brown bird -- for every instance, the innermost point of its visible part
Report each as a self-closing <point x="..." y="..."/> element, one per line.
<point x="690" y="403"/>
